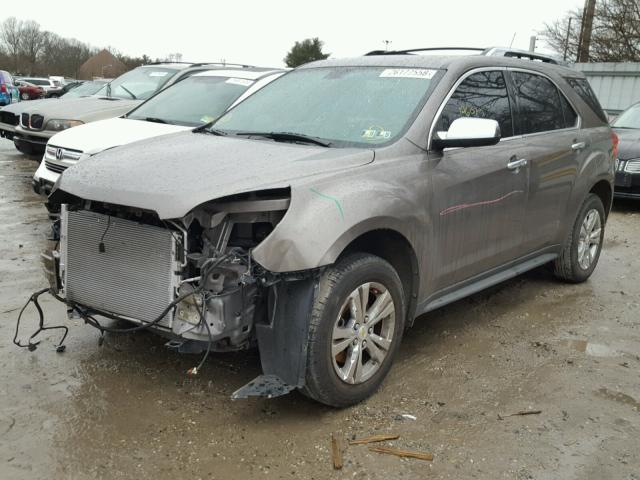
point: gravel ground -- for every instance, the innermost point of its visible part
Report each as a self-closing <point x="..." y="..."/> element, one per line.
<point x="126" y="409"/>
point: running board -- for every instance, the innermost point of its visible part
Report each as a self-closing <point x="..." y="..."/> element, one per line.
<point x="486" y="282"/>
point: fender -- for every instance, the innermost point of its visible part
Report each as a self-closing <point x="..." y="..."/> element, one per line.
<point x="325" y="217"/>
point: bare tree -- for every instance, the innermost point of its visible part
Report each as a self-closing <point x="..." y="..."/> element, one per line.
<point x="10" y="33"/>
<point x="32" y="43"/>
<point x="615" y="36"/>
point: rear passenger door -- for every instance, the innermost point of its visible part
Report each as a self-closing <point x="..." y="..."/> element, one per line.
<point x="478" y="193"/>
<point x="549" y="126"/>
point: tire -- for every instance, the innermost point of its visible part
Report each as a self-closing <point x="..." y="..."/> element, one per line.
<point x="332" y="309"/>
<point x="571" y="266"/>
<point x="24" y="96"/>
<point x="54" y="95"/>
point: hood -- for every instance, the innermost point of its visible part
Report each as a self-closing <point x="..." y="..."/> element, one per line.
<point x="175" y="173"/>
<point x="629" y="146"/>
<point x="83" y="108"/>
<point x="97" y="136"/>
<point x="18" y="108"/>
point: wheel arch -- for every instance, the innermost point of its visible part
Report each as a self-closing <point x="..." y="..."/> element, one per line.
<point x="393" y="247"/>
<point x="604" y="190"/>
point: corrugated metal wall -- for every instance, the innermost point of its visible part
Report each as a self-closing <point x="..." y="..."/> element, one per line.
<point x="617" y="85"/>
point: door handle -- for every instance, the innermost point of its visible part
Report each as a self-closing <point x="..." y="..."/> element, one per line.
<point x="578" y="146"/>
<point x="516" y="164"/>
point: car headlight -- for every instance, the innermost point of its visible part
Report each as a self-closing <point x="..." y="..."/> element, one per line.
<point x="59" y="125"/>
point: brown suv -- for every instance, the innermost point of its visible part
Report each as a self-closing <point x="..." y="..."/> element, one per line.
<point x="322" y="215"/>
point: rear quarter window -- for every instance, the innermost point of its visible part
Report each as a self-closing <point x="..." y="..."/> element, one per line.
<point x="583" y="89"/>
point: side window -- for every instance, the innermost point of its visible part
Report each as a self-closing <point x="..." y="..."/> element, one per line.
<point x="582" y="88"/>
<point x="539" y="103"/>
<point x="481" y="95"/>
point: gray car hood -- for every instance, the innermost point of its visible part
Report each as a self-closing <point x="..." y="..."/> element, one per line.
<point x="629" y="146"/>
<point x="78" y="108"/>
<point x="175" y="173"/>
<point x="18" y="108"/>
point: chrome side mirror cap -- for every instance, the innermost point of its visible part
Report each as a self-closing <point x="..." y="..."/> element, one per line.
<point x="468" y="132"/>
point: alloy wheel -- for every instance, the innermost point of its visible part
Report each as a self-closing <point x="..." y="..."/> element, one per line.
<point x="363" y="333"/>
<point x="589" y="239"/>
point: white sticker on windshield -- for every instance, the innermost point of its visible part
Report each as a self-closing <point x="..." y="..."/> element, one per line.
<point x="158" y="74"/>
<point x="239" y="81"/>
<point x="409" y="73"/>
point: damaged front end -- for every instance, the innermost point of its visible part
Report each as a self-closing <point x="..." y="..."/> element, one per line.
<point x="192" y="280"/>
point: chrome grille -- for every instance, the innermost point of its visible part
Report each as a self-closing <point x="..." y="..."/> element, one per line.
<point x="632" y="166"/>
<point x="36" y="121"/>
<point x="134" y="276"/>
<point x="55" y="167"/>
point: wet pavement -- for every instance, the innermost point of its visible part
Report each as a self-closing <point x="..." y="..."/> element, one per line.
<point x="126" y="409"/>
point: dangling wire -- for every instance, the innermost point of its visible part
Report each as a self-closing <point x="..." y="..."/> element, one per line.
<point x="31" y="345"/>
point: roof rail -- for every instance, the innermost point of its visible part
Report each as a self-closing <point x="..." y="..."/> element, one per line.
<point x="521" y="54"/>
<point x="414" y="50"/>
<point x="492" y="51"/>
<point x="199" y="64"/>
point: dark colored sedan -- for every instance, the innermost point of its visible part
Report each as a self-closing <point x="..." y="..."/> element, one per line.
<point x="29" y="91"/>
<point x="627" y="126"/>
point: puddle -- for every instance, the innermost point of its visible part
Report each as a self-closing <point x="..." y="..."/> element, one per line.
<point x="593" y="349"/>
<point x="620" y="397"/>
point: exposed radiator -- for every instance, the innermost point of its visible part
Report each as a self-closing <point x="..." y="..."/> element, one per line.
<point x="134" y="276"/>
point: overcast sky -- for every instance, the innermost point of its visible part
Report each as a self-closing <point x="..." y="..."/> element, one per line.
<point x="261" y="32"/>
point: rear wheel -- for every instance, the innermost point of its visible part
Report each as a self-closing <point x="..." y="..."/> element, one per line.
<point x="581" y="251"/>
<point x="24" y="96"/>
<point x="355" y="330"/>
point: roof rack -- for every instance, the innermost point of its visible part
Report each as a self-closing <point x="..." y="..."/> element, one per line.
<point x="199" y="64"/>
<point x="492" y="52"/>
<point x="414" y="50"/>
<point x="521" y="54"/>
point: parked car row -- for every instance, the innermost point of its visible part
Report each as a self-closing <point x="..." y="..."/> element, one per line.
<point x="316" y="213"/>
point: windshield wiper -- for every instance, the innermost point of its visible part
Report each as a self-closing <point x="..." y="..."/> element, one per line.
<point x="154" y="120"/>
<point x="287" y="137"/>
<point x="128" y="91"/>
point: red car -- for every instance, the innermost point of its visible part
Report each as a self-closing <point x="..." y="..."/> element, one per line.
<point x="29" y="91"/>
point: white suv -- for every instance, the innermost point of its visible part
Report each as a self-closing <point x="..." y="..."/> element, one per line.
<point x="192" y="102"/>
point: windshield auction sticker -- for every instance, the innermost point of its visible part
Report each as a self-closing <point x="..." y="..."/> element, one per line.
<point x="408" y="73"/>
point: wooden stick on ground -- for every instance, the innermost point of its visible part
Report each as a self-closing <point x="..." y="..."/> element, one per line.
<point x="374" y="439"/>
<point x="402" y="453"/>
<point x="336" y="453"/>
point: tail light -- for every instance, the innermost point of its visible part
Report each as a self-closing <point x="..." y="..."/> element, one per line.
<point x="615" y="140"/>
<point x="3" y="88"/>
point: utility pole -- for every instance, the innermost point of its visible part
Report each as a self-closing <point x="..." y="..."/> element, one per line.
<point x="585" y="30"/>
<point x="566" y="42"/>
<point x="532" y="43"/>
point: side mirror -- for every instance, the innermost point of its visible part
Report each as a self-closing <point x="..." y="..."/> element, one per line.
<point x="468" y="132"/>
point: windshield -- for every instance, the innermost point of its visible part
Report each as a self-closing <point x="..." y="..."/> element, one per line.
<point x="138" y="84"/>
<point x="345" y="106"/>
<point x="630" y="118"/>
<point x="84" y="90"/>
<point x="38" y="81"/>
<point x="193" y="101"/>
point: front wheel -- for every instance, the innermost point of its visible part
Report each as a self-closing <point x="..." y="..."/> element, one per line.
<point x="355" y="330"/>
<point x="581" y="251"/>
